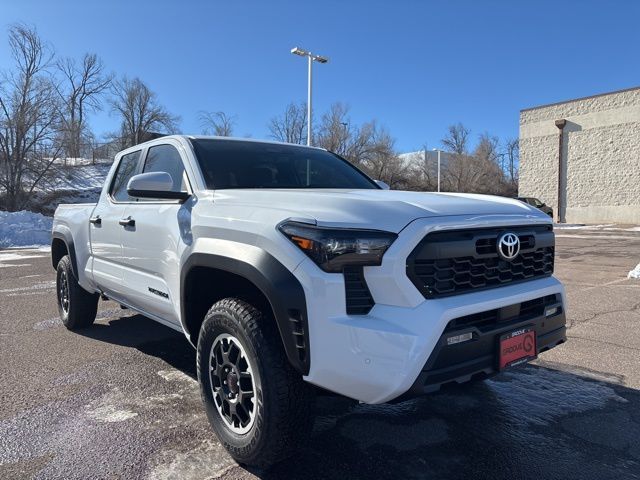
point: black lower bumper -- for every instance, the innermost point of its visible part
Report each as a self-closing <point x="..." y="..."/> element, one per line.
<point x="478" y="357"/>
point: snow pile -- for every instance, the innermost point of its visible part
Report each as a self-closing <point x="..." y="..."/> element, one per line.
<point x="24" y="229"/>
<point x="635" y="273"/>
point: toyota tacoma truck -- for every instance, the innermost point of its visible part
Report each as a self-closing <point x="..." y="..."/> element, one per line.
<point x="292" y="272"/>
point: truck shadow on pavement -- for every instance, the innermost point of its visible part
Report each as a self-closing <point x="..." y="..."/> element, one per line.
<point x="538" y="421"/>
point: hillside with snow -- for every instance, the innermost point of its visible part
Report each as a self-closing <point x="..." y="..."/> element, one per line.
<point x="80" y="181"/>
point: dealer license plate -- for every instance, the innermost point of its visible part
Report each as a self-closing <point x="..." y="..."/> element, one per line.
<point x="517" y="347"/>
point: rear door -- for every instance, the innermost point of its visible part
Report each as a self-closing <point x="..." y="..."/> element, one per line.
<point x="106" y="229"/>
<point x="153" y="245"/>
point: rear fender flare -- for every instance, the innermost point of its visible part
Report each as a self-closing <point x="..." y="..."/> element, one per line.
<point x="71" y="249"/>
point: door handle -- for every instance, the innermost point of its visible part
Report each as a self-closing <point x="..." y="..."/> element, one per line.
<point x="127" y="222"/>
<point x="96" y="220"/>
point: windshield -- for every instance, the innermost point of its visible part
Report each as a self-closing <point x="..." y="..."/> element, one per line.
<point x="237" y="164"/>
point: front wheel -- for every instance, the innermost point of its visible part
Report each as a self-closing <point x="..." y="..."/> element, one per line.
<point x="258" y="405"/>
<point x="76" y="306"/>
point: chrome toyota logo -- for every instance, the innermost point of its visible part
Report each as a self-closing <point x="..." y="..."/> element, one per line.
<point x="508" y="246"/>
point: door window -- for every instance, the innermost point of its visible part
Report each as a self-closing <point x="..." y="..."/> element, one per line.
<point x="126" y="169"/>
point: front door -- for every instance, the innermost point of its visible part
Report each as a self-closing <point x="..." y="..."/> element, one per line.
<point x="152" y="246"/>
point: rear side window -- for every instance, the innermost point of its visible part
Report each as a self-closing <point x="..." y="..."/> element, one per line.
<point x="126" y="169"/>
<point x="165" y="158"/>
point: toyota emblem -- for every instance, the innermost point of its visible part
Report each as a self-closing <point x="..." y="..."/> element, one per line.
<point x="508" y="246"/>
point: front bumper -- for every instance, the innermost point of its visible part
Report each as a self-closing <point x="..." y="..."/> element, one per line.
<point x="478" y="357"/>
<point x="378" y="357"/>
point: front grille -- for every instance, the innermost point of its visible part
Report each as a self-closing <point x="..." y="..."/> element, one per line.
<point x="358" y="296"/>
<point x="454" y="262"/>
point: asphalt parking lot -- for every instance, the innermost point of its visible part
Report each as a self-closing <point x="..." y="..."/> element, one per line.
<point x="120" y="400"/>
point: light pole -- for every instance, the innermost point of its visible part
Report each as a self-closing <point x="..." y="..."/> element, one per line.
<point x="311" y="58"/>
<point x="439" y="152"/>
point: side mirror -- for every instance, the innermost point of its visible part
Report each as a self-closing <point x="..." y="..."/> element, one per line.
<point x="154" y="185"/>
<point x="383" y="185"/>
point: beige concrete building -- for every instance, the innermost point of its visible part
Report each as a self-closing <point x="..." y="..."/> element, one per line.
<point x="582" y="157"/>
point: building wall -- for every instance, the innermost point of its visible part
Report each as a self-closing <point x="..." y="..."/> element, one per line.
<point x="601" y="157"/>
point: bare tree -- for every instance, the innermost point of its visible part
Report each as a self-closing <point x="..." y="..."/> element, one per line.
<point x="368" y="146"/>
<point x="513" y="159"/>
<point x="291" y="126"/>
<point x="336" y="131"/>
<point x="28" y="115"/>
<point x="487" y="148"/>
<point x="80" y="92"/>
<point x="216" y="123"/>
<point x="139" y="111"/>
<point x="422" y="171"/>
<point x="457" y="139"/>
<point x="371" y="147"/>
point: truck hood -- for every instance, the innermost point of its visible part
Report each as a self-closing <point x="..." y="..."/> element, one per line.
<point x="389" y="210"/>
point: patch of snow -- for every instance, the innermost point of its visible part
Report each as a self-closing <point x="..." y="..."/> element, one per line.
<point x="36" y="287"/>
<point x="539" y="396"/>
<point x="176" y="376"/>
<point x="602" y="227"/>
<point x="574" y="226"/>
<point x="24" y="228"/>
<point x="110" y="414"/>
<point x="594" y="236"/>
<point x="635" y="273"/>
<point x="16" y="255"/>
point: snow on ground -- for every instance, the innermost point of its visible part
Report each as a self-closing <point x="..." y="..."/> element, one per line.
<point x="635" y="273"/>
<point x="70" y="184"/>
<point x="85" y="177"/>
<point x="74" y="162"/>
<point x="606" y="227"/>
<point x="24" y="229"/>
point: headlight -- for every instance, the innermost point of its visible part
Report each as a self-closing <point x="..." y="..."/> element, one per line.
<point x="333" y="248"/>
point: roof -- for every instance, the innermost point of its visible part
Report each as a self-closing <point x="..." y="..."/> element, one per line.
<point x="213" y="137"/>
<point x="581" y="98"/>
<point x="240" y="139"/>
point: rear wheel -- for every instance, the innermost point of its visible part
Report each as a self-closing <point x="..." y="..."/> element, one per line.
<point x="258" y="405"/>
<point x="76" y="306"/>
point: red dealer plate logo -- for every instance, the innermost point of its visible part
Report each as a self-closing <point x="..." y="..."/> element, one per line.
<point x="517" y="347"/>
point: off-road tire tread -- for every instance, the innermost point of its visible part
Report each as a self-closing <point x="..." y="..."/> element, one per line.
<point x="83" y="306"/>
<point x="291" y="397"/>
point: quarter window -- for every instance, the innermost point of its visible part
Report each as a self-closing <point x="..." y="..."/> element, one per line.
<point x="126" y="169"/>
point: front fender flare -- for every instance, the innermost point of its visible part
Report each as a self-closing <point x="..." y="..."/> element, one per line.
<point x="281" y="288"/>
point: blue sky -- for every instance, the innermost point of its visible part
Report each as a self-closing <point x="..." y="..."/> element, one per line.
<point x="415" y="66"/>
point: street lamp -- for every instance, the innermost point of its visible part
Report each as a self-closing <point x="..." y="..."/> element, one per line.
<point x="311" y="58"/>
<point x="439" y="152"/>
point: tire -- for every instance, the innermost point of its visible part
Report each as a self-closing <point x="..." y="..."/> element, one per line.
<point x="76" y="306"/>
<point x="273" y="423"/>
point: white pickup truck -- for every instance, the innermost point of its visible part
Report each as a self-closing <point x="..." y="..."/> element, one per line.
<point x="289" y="269"/>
